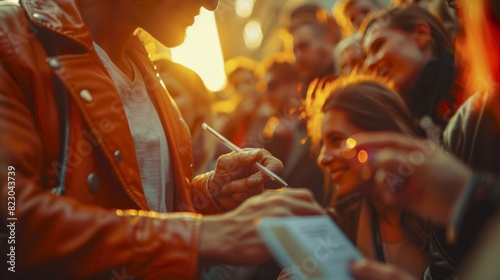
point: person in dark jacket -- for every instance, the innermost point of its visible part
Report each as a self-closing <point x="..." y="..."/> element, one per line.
<point x="410" y="47"/>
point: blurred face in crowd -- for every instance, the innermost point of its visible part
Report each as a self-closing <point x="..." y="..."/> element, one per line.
<point x="335" y="130"/>
<point x="422" y="3"/>
<point x="244" y="82"/>
<point x="282" y="96"/>
<point x="313" y="52"/>
<point x="397" y="55"/>
<point x="357" y="10"/>
<point x="167" y="21"/>
<point x="349" y="58"/>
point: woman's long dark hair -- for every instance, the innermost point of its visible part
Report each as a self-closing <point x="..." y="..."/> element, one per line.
<point x="405" y="18"/>
<point x="373" y="106"/>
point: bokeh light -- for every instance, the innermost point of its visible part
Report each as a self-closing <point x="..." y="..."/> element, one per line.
<point x="253" y="34"/>
<point x="244" y="8"/>
<point x="362" y="156"/>
<point x="350" y="143"/>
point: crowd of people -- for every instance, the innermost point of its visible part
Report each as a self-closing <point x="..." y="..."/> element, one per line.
<point x="381" y="114"/>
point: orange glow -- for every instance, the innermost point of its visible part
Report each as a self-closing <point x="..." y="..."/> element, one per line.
<point x="348" y="153"/>
<point x="480" y="46"/>
<point x="362" y="156"/>
<point x="202" y="52"/>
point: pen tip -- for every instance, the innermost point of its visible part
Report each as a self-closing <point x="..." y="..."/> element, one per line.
<point x="204" y="126"/>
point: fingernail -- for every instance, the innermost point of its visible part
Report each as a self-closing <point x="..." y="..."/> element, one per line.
<point x="254" y="152"/>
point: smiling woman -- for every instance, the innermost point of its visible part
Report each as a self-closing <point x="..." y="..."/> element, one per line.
<point x="351" y="105"/>
<point x="355" y="104"/>
<point x="410" y="47"/>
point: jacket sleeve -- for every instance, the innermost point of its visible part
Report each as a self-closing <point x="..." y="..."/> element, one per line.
<point x="61" y="238"/>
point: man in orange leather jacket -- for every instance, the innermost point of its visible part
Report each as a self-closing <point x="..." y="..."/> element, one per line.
<point x="98" y="224"/>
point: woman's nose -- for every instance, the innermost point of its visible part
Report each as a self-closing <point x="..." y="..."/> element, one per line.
<point x="325" y="157"/>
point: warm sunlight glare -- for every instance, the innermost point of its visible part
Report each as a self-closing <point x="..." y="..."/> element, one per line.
<point x="202" y="51"/>
<point x="244" y="8"/>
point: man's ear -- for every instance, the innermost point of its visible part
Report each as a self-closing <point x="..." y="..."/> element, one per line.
<point x="422" y="34"/>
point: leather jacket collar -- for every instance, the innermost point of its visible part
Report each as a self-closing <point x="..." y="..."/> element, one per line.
<point x="60" y="16"/>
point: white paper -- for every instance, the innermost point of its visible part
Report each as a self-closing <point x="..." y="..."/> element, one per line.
<point x="312" y="248"/>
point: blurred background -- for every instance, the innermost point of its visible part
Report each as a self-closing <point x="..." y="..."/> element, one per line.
<point x="251" y="28"/>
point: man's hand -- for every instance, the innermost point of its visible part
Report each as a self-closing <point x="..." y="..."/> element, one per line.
<point x="412" y="173"/>
<point x="235" y="178"/>
<point x="232" y="238"/>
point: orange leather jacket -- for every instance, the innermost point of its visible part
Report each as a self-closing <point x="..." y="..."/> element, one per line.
<point x="101" y="226"/>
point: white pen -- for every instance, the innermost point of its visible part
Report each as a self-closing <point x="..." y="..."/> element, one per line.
<point x="237" y="149"/>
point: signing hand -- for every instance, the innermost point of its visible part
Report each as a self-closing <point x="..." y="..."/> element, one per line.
<point x="235" y="178"/>
<point x="233" y="237"/>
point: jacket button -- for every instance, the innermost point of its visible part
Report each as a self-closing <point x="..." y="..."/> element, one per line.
<point x="94" y="183"/>
<point x="40" y="17"/>
<point x="86" y="95"/>
<point x="118" y="156"/>
<point x="54" y="63"/>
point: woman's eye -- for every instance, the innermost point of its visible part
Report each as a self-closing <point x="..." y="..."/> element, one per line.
<point x="377" y="45"/>
<point x="336" y="140"/>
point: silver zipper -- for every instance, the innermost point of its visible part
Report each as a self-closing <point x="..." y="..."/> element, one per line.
<point x="60" y="189"/>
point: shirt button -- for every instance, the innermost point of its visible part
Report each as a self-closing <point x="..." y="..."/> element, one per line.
<point x="94" y="183"/>
<point x="118" y="156"/>
<point x="54" y="63"/>
<point x="40" y="17"/>
<point x="86" y="95"/>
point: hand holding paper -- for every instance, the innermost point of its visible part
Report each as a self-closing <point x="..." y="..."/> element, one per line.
<point x="309" y="247"/>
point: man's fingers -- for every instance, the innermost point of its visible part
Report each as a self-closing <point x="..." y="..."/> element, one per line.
<point x="272" y="163"/>
<point x="306" y="208"/>
<point x="240" y="197"/>
<point x="249" y="156"/>
<point x="297" y="201"/>
<point x="252" y="184"/>
<point x="235" y="159"/>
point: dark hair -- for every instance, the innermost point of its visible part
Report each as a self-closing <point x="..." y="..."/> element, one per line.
<point x="320" y="20"/>
<point x="308" y="10"/>
<point x="319" y="29"/>
<point x="349" y="3"/>
<point x="283" y="71"/>
<point x="405" y="19"/>
<point x="372" y="106"/>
